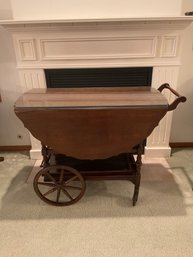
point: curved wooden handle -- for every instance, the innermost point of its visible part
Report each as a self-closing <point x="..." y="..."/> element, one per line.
<point x="178" y="100"/>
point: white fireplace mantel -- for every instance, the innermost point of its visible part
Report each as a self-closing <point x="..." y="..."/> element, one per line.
<point x="178" y="19"/>
<point x="128" y="42"/>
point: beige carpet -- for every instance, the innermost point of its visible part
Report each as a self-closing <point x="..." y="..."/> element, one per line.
<point x="103" y="223"/>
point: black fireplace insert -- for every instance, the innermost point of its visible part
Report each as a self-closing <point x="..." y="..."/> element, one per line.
<point x="98" y="77"/>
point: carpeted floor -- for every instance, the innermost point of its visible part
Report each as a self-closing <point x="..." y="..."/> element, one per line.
<point x="103" y="222"/>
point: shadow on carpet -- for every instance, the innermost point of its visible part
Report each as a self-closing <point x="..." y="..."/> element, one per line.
<point x="159" y="195"/>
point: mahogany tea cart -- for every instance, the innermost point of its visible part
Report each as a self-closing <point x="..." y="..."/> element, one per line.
<point x="99" y="126"/>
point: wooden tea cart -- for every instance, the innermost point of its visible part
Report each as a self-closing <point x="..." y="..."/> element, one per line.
<point x="93" y="125"/>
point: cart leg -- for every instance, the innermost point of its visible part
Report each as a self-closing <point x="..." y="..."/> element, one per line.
<point x="138" y="174"/>
<point x="46" y="156"/>
<point x="136" y="189"/>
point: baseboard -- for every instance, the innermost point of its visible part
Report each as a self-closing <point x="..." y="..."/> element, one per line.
<point x="181" y="144"/>
<point x="157" y="152"/>
<point x="36" y="154"/>
<point x="14" y="148"/>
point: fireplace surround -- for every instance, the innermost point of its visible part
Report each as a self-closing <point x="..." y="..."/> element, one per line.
<point x="101" y="43"/>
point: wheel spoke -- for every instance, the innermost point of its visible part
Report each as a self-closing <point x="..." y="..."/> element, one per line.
<point x="69" y="180"/>
<point x="58" y="195"/>
<point x="74" y="187"/>
<point x="67" y="194"/>
<point x="50" y="191"/>
<point x="61" y="176"/>
<point x="50" y="176"/>
<point x="46" y="184"/>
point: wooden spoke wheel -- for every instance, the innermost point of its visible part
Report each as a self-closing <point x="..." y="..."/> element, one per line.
<point x="59" y="185"/>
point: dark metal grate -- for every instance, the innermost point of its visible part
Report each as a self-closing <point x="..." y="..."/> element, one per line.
<point x="98" y="77"/>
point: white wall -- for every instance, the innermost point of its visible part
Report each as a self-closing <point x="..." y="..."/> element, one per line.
<point x="11" y="127"/>
<point x="182" y="125"/>
<point x="5" y="9"/>
<point x="60" y="9"/>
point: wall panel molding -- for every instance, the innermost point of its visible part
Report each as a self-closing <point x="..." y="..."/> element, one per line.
<point x="169" y="46"/>
<point x="98" y="48"/>
<point x="27" y="49"/>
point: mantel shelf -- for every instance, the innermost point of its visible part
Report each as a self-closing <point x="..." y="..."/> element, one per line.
<point x="97" y="20"/>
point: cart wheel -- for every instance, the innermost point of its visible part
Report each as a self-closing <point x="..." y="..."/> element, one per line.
<point x="59" y="185"/>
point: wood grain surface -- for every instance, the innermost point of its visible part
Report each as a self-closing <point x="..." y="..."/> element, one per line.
<point x="91" y="97"/>
<point x="90" y="133"/>
<point x="129" y="116"/>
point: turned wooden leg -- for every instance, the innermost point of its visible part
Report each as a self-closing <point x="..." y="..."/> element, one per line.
<point x="136" y="189"/>
<point x="138" y="174"/>
<point x="46" y="156"/>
